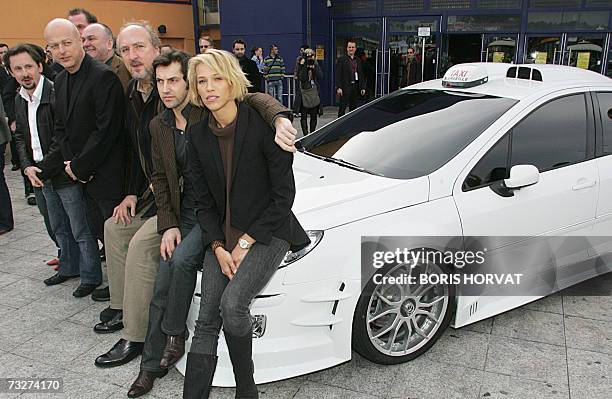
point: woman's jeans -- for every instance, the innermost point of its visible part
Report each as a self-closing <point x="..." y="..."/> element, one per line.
<point x="227" y="302"/>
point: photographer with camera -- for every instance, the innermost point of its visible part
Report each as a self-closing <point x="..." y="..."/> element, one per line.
<point x="309" y="75"/>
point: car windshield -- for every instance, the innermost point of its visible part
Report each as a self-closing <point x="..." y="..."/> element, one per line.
<point x="407" y="134"/>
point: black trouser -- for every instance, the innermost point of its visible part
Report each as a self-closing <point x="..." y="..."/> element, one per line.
<point x="14" y="153"/>
<point x="6" y="209"/>
<point x="313" y="112"/>
<point x="27" y="185"/>
<point x="349" y="99"/>
<point x="98" y="210"/>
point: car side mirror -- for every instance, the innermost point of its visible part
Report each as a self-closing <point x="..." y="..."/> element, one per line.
<point x="520" y="176"/>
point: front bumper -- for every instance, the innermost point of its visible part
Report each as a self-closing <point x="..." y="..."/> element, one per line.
<point x="308" y="328"/>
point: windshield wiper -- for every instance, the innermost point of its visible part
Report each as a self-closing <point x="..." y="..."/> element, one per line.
<point x="338" y="161"/>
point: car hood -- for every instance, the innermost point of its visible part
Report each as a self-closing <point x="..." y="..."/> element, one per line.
<point x="329" y="195"/>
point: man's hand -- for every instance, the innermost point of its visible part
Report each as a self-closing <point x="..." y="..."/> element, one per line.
<point x="31" y="172"/>
<point x="13" y="126"/>
<point x="226" y="262"/>
<point x="170" y="240"/>
<point x="69" y="171"/>
<point x="125" y="209"/>
<point x="339" y="92"/>
<point x="285" y="134"/>
<point x="363" y="92"/>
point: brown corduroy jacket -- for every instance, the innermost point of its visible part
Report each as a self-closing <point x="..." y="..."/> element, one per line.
<point x="121" y="71"/>
<point x="165" y="178"/>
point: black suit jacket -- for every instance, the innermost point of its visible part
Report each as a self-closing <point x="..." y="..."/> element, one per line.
<point x="263" y="187"/>
<point x="9" y="88"/>
<point x="344" y="74"/>
<point x="44" y="122"/>
<point x="89" y="129"/>
<point x="249" y="67"/>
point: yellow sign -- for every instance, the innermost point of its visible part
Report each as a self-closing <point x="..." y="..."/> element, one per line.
<point x="541" y="57"/>
<point x="320" y="54"/>
<point x="583" y="60"/>
<point x="498" y="56"/>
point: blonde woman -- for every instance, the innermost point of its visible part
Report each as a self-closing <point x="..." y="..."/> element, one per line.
<point x="245" y="189"/>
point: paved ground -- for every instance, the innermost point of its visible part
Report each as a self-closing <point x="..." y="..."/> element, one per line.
<point x="559" y="347"/>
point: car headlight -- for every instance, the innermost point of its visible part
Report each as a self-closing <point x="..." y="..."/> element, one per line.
<point x="315" y="236"/>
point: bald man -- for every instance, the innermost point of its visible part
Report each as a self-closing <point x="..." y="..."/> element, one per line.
<point x="98" y="43"/>
<point x="87" y="147"/>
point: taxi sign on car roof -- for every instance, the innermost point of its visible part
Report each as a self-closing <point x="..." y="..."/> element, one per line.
<point x="465" y="75"/>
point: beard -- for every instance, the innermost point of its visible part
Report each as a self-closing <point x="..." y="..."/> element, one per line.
<point x="29" y="85"/>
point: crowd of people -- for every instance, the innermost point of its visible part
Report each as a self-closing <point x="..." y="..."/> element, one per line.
<point x="134" y="153"/>
<point x="144" y="149"/>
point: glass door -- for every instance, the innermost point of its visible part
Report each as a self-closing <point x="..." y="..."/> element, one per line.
<point x="367" y="35"/>
<point x="408" y="61"/>
<point x="543" y="49"/>
<point x="499" y="48"/>
<point x="585" y="51"/>
<point x="464" y="47"/>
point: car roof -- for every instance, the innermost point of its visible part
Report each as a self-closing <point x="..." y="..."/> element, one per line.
<point x="554" y="77"/>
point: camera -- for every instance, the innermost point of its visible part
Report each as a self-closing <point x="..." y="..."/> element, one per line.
<point x="310" y="61"/>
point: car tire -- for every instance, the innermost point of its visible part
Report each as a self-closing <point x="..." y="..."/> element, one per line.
<point x="404" y="309"/>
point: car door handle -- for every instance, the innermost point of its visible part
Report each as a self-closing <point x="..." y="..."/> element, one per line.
<point x="582" y="184"/>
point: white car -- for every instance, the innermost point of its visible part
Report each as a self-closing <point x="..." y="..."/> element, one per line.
<point x="489" y="150"/>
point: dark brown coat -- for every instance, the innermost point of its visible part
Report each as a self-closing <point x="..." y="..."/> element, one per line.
<point x="121" y="71"/>
<point x="165" y="179"/>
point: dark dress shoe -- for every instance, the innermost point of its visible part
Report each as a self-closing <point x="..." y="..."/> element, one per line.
<point x="144" y="383"/>
<point x="108" y="313"/>
<point x="174" y="350"/>
<point x="101" y="294"/>
<point x="121" y="353"/>
<point x="110" y="326"/>
<point x="58" y="279"/>
<point x="84" y="290"/>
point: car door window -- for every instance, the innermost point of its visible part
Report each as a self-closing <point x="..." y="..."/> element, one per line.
<point x="605" y="107"/>
<point x="553" y="136"/>
<point x="491" y="168"/>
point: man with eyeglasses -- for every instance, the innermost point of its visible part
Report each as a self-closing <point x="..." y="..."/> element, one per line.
<point x="205" y="43"/>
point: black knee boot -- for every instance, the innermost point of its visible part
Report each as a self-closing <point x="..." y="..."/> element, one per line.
<point x="199" y="375"/>
<point x="241" y="354"/>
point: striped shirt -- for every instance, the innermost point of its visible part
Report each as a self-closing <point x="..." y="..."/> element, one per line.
<point x="274" y="68"/>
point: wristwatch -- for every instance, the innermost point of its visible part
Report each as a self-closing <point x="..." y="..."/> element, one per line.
<point x="244" y="244"/>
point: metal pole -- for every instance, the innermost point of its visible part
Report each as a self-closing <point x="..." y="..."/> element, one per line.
<point x="423" y="61"/>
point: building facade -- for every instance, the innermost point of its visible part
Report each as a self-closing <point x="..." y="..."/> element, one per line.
<point x="564" y="32"/>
